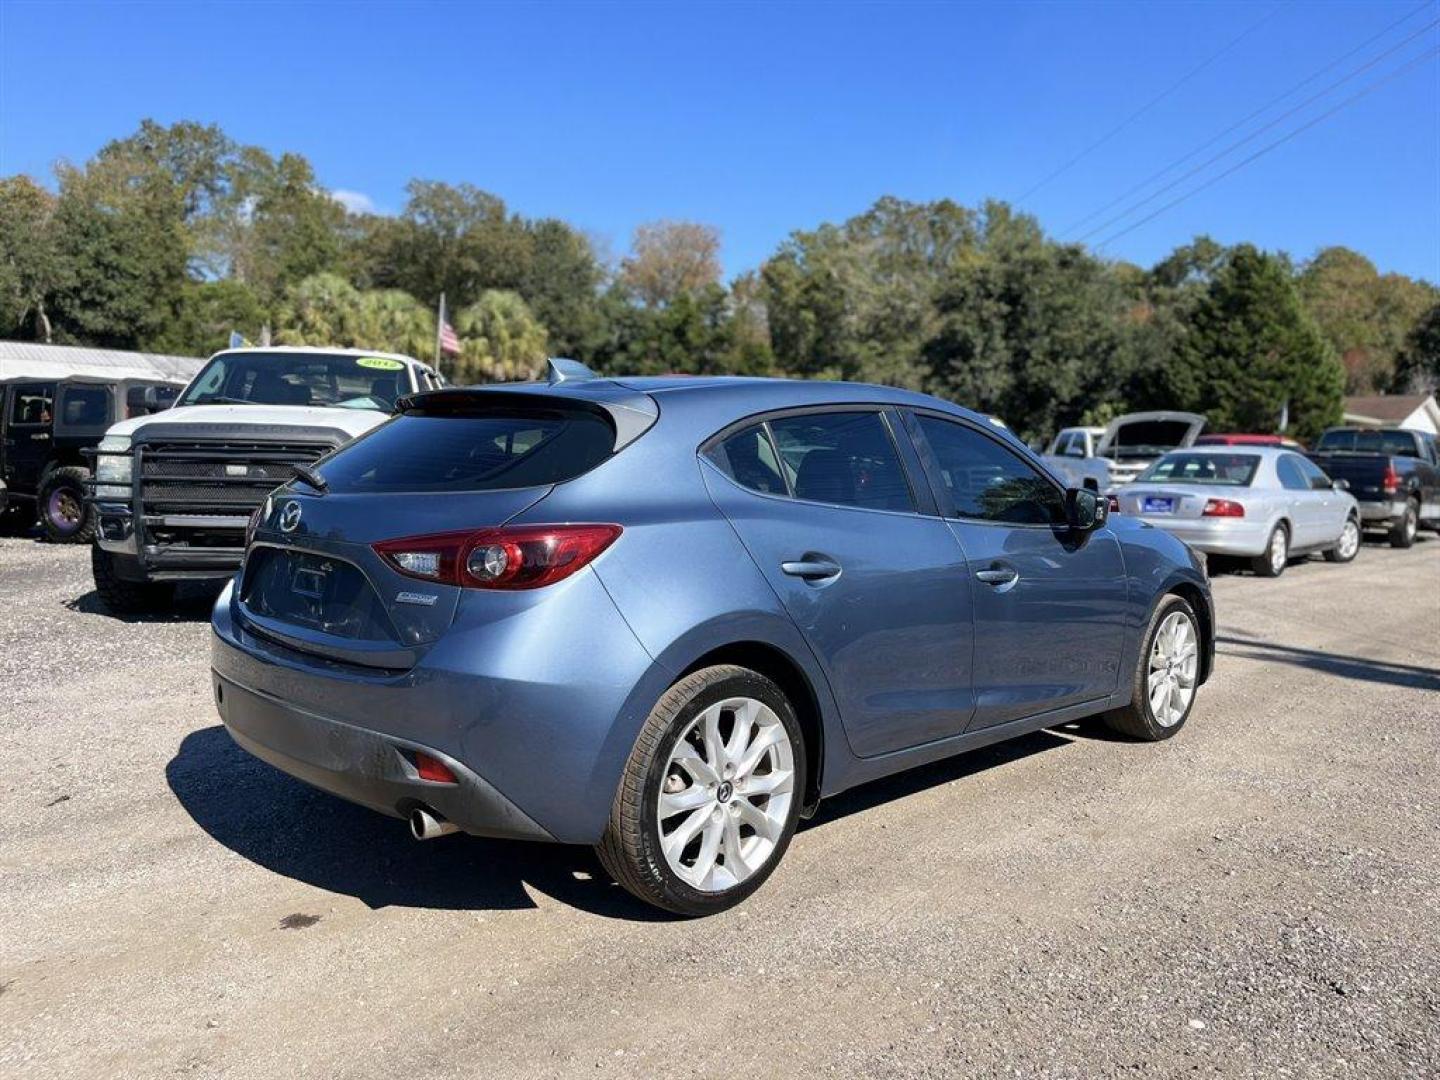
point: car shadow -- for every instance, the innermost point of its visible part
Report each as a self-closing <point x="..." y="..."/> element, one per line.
<point x="192" y="603"/>
<point x="302" y="833"/>
<point x="1346" y="667"/>
<point x="945" y="771"/>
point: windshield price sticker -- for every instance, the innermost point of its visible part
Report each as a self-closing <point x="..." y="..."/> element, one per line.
<point x="379" y="363"/>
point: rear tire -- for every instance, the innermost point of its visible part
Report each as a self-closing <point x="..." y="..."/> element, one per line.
<point x="1277" y="554"/>
<point x="1348" y="546"/>
<point x="715" y="750"/>
<point x="1166" y="651"/>
<point x="1402" y="533"/>
<point x="127" y="597"/>
<point x="64" y="514"/>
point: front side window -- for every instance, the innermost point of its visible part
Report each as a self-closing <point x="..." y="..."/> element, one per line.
<point x="987" y="481"/>
<point x="32" y="404"/>
<point x="845" y="458"/>
<point x="1291" y="478"/>
<point x="1315" y="476"/>
<point x="1235" y="470"/>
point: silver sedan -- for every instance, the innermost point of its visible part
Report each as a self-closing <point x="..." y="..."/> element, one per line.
<point x="1263" y="503"/>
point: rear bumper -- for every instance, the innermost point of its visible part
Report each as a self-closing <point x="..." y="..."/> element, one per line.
<point x="1216" y="536"/>
<point x="534" y="706"/>
<point x="363" y="766"/>
<point x="1381" y="513"/>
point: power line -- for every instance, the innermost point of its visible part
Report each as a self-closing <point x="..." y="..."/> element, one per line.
<point x="1430" y="55"/>
<point x="1148" y="105"/>
<point x="1254" y="134"/>
<point x="1241" y="123"/>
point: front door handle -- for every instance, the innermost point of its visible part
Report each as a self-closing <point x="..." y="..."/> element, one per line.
<point x="811" y="568"/>
<point x="998" y="575"/>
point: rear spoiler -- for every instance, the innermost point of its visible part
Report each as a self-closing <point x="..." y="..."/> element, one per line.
<point x="629" y="412"/>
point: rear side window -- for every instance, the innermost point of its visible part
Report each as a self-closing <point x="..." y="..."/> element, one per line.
<point x="472" y="452"/>
<point x="989" y="482"/>
<point x="845" y="458"/>
<point x="1291" y="478"/>
<point x="85" y="406"/>
<point x="748" y="457"/>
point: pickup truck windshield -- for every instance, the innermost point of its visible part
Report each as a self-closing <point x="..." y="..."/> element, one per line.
<point x="1369" y="441"/>
<point x="281" y="378"/>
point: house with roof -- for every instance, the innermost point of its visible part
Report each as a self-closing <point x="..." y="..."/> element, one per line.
<point x="1414" y="412"/>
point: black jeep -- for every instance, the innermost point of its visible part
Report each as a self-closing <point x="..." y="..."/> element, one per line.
<point x="45" y="427"/>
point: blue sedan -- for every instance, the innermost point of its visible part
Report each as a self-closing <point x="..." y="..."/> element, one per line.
<point x="667" y="617"/>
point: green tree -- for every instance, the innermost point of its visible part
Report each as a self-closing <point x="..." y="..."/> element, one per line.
<point x="205" y="314"/>
<point x="30" y="265"/>
<point x="670" y="259"/>
<point x="1418" y="366"/>
<point x="501" y="339"/>
<point x="1252" y="352"/>
<point x="1365" y="315"/>
<point x="327" y="310"/>
<point x="560" y="282"/>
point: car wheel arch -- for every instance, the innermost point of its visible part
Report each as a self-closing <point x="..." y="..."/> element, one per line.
<point x="782" y="669"/>
<point x="1195" y="597"/>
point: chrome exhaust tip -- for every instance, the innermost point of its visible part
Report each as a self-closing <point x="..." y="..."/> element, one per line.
<point x="427" y="825"/>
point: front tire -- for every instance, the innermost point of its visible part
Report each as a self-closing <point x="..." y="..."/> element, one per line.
<point x="711" y="793"/>
<point x="64" y="513"/>
<point x="1402" y="533"/>
<point x="1277" y="554"/>
<point x="1348" y="546"/>
<point x="127" y="597"/>
<point x="1167" y="674"/>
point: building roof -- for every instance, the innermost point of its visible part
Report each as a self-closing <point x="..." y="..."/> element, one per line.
<point x="29" y="360"/>
<point x="1388" y="408"/>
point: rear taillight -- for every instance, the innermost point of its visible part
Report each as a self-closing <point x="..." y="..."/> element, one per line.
<point x="1222" y="508"/>
<point x="511" y="557"/>
<point x="1390" y="483"/>
<point x="1114" y="504"/>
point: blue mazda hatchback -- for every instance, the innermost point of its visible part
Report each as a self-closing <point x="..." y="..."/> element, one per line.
<point x="667" y="617"/>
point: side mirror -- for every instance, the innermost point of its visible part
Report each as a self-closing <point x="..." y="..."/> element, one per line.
<point x="1086" y="510"/>
<point x="1340" y="485"/>
<point x="159" y="398"/>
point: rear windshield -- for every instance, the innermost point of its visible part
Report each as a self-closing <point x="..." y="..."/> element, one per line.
<point x="1401" y="443"/>
<point x="468" y="452"/>
<point x="1234" y="470"/>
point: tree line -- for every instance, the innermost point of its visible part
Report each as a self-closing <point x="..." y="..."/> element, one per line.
<point x="168" y="239"/>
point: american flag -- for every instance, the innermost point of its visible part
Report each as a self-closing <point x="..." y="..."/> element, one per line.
<point x="449" y="342"/>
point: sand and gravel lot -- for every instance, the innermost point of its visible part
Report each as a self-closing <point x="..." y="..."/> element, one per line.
<point x="1259" y="896"/>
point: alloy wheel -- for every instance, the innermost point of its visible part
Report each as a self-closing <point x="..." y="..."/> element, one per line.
<point x="1174" y="665"/>
<point x="1279" y="551"/>
<point x="726" y="793"/>
<point x="1349" y="540"/>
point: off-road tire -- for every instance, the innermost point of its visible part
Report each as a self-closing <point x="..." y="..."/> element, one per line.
<point x="1136" y="719"/>
<point x="127" y="597"/>
<point x="1264" y="564"/>
<point x="1402" y="533"/>
<point x="630" y="848"/>
<point x="69" y="480"/>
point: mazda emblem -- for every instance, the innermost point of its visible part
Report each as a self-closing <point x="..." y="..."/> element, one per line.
<point x="290" y="517"/>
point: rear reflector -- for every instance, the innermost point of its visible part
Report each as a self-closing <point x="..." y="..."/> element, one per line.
<point x="433" y="770"/>
<point x="1223" y="508"/>
<point x="510" y="557"/>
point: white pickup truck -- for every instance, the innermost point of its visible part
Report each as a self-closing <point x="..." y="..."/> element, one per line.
<point x="174" y="491"/>
<point x="1120" y="452"/>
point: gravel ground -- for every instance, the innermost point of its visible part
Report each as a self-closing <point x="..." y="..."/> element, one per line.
<point x="1257" y="897"/>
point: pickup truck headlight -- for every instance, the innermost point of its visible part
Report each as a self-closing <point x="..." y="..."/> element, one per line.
<point x="113" y="462"/>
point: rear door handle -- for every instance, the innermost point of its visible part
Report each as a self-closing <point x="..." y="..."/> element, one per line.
<point x="998" y="575"/>
<point x="812" y="568"/>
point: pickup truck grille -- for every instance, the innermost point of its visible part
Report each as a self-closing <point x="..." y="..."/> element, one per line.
<point x="229" y="478"/>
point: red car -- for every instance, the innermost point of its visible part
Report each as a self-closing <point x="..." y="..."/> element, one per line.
<point x="1231" y="439"/>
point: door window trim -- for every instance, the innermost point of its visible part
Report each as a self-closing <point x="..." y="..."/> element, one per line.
<point x="931" y="465"/>
<point x="921" y="499"/>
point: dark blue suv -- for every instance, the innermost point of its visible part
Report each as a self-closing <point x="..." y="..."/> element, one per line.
<point x="668" y="616"/>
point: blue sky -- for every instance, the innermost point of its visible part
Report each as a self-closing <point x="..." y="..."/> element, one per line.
<point x="765" y="118"/>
